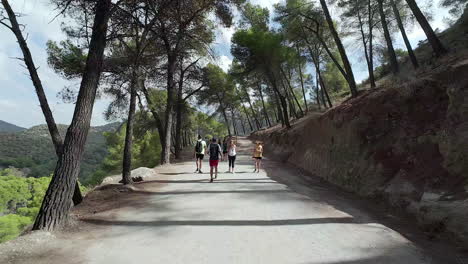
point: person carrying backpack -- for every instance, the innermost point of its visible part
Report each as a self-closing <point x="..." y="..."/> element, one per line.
<point x="200" y="150"/>
<point x="215" y="153"/>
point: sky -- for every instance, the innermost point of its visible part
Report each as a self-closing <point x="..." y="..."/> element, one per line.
<point x="19" y="104"/>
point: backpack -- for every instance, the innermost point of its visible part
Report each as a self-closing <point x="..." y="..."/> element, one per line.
<point x="198" y="147"/>
<point x="214" y="151"/>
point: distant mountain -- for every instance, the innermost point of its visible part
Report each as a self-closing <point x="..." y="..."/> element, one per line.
<point x="32" y="149"/>
<point x="7" y="127"/>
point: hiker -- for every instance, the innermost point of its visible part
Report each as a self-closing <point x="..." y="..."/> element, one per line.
<point x="232" y="155"/>
<point x="225" y="146"/>
<point x="257" y="155"/>
<point x="200" y="150"/>
<point x="215" y="151"/>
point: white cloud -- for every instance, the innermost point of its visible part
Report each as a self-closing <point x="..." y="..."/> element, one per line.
<point x="224" y="62"/>
<point x="265" y="3"/>
<point x="224" y="35"/>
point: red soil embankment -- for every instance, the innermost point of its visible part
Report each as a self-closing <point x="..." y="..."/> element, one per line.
<point x="406" y="143"/>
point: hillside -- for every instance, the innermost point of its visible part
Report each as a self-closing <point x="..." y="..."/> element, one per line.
<point x="32" y="150"/>
<point x="6" y="127"/>
<point x="405" y="144"/>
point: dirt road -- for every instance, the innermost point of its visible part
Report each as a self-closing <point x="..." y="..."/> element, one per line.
<point x="267" y="217"/>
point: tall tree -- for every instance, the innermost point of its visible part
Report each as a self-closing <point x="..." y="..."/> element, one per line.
<point x="360" y="15"/>
<point x="397" y="15"/>
<point x="56" y="204"/>
<point x="220" y="92"/>
<point x="28" y="60"/>
<point x="175" y="19"/>
<point x="388" y="39"/>
<point x="341" y="49"/>
<point x="437" y="46"/>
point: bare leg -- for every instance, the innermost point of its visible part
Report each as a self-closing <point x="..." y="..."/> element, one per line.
<point x="201" y="162"/>
<point x="211" y="174"/>
<point x="216" y="172"/>
<point x="259" y="164"/>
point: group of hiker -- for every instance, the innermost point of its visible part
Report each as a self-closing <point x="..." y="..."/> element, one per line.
<point x="227" y="150"/>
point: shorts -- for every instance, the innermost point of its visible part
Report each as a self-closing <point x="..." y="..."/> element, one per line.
<point x="259" y="158"/>
<point x="200" y="156"/>
<point x="214" y="163"/>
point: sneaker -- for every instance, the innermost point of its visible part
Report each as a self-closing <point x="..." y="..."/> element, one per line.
<point x="211" y="180"/>
<point x="199" y="171"/>
<point x="196" y="170"/>
<point x="216" y="176"/>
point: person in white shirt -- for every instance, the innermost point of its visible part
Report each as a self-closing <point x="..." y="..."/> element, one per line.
<point x="232" y="155"/>
<point x="200" y="151"/>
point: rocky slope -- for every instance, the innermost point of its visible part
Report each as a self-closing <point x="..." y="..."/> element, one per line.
<point x="406" y="143"/>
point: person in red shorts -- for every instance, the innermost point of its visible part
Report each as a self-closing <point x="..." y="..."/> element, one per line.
<point x="215" y="153"/>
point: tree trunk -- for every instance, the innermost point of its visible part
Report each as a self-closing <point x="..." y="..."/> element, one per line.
<point x="302" y="83"/>
<point x="226" y="120"/>
<point x="371" y="47"/>
<point x="248" y="118"/>
<point x="292" y="93"/>
<point x="279" y="109"/>
<point x="284" y="105"/>
<point x="437" y="46"/>
<point x="169" y="114"/>
<point x="57" y="200"/>
<point x="252" y="110"/>
<point x="324" y="88"/>
<point x="292" y="111"/>
<point x="155" y="115"/>
<point x="234" y="123"/>
<point x="388" y="39"/>
<point x="178" y="129"/>
<point x="263" y="105"/>
<point x="322" y="93"/>
<point x="341" y="49"/>
<point x="127" y="155"/>
<point x="242" y="124"/>
<point x="411" y="54"/>
<point x="366" y="54"/>
<point x="28" y="60"/>
<point x="326" y="95"/>
<point x="317" y="90"/>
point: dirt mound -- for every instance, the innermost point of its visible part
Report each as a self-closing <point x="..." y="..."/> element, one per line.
<point x="406" y="143"/>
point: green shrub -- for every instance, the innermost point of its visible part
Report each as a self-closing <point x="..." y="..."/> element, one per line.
<point x="12" y="225"/>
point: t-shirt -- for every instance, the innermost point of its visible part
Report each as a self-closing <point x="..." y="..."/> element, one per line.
<point x="214" y="151"/>
<point x="258" y="151"/>
<point x="203" y="146"/>
<point x="232" y="151"/>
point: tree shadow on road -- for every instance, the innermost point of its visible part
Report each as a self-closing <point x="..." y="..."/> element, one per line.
<point x="214" y="192"/>
<point x="282" y="222"/>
